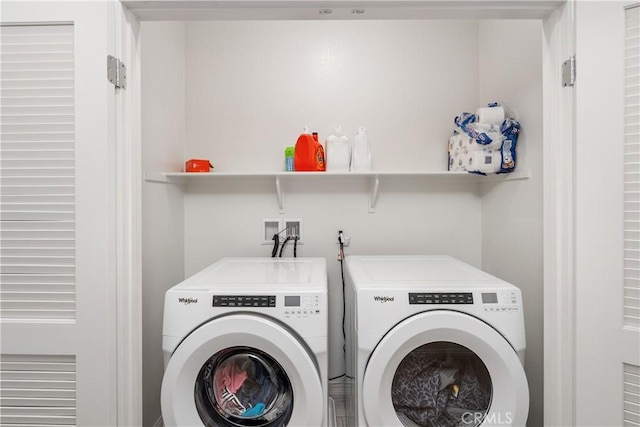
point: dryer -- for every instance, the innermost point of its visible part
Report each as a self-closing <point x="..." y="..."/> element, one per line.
<point x="433" y="341"/>
<point x="245" y="344"/>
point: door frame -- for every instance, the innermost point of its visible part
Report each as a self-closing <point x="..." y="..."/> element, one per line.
<point x="558" y="178"/>
<point x="559" y="219"/>
<point x="128" y="148"/>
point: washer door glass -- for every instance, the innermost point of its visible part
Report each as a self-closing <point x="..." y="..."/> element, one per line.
<point x="441" y="384"/>
<point x="243" y="386"/>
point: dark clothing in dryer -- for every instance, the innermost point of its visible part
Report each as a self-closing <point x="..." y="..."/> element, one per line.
<point x="430" y="389"/>
<point x="473" y="396"/>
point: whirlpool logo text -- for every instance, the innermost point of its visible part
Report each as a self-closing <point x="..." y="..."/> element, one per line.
<point x="187" y="301"/>
<point x="383" y="299"/>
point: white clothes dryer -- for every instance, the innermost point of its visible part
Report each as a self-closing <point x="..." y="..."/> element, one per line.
<point x="245" y="344"/>
<point x="433" y="342"/>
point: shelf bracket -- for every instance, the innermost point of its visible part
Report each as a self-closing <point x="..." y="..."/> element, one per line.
<point x="280" y="194"/>
<point x="373" y="194"/>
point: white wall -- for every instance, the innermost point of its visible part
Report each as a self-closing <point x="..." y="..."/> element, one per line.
<point x="163" y="129"/>
<point x="252" y="86"/>
<point x="511" y="72"/>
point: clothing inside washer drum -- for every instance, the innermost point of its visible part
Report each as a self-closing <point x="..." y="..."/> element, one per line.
<point x="243" y="386"/>
<point x="441" y="384"/>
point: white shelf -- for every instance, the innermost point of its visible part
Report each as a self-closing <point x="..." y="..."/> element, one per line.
<point x="372" y="176"/>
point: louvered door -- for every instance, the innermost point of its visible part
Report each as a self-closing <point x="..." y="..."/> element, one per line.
<point x="631" y="284"/>
<point x="607" y="386"/>
<point x="57" y="261"/>
<point x="632" y="171"/>
<point x="38" y="173"/>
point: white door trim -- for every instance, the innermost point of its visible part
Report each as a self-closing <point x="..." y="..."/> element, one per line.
<point x="128" y="221"/>
<point x="559" y="220"/>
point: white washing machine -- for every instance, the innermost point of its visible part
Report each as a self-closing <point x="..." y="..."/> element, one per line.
<point x="433" y="342"/>
<point x="245" y="344"/>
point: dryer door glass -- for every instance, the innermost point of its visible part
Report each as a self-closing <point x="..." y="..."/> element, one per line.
<point x="243" y="386"/>
<point x="441" y="384"/>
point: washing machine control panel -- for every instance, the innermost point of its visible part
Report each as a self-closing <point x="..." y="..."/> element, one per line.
<point x="301" y="306"/>
<point x="441" y="298"/>
<point x="244" y="301"/>
<point x="292" y="306"/>
<point x="503" y="301"/>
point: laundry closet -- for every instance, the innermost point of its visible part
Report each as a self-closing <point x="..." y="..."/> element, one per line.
<point x="236" y="83"/>
<point x="238" y="92"/>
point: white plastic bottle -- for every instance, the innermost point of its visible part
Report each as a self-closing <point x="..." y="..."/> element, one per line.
<point x="361" y="155"/>
<point x="338" y="151"/>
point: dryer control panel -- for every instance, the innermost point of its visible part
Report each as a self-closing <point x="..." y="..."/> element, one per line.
<point x="500" y="301"/>
<point x="441" y="298"/>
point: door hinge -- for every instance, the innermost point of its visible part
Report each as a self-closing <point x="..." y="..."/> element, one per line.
<point x="116" y="72"/>
<point x="569" y="72"/>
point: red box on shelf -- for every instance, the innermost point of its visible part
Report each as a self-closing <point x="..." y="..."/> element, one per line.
<point x="197" y="165"/>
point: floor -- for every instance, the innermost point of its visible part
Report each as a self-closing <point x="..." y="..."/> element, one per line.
<point x="337" y="391"/>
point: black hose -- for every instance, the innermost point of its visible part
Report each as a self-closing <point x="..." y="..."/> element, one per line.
<point x="283" y="245"/>
<point x="344" y="303"/>
<point x="344" y="308"/>
<point x="276" y="243"/>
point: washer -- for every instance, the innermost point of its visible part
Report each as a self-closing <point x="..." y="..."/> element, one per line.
<point x="433" y="341"/>
<point x="245" y="344"/>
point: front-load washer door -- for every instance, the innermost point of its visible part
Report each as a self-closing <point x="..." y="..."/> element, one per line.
<point x="242" y="370"/>
<point x="444" y="368"/>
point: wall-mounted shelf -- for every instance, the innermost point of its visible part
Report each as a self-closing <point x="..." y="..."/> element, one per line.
<point x="373" y="177"/>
